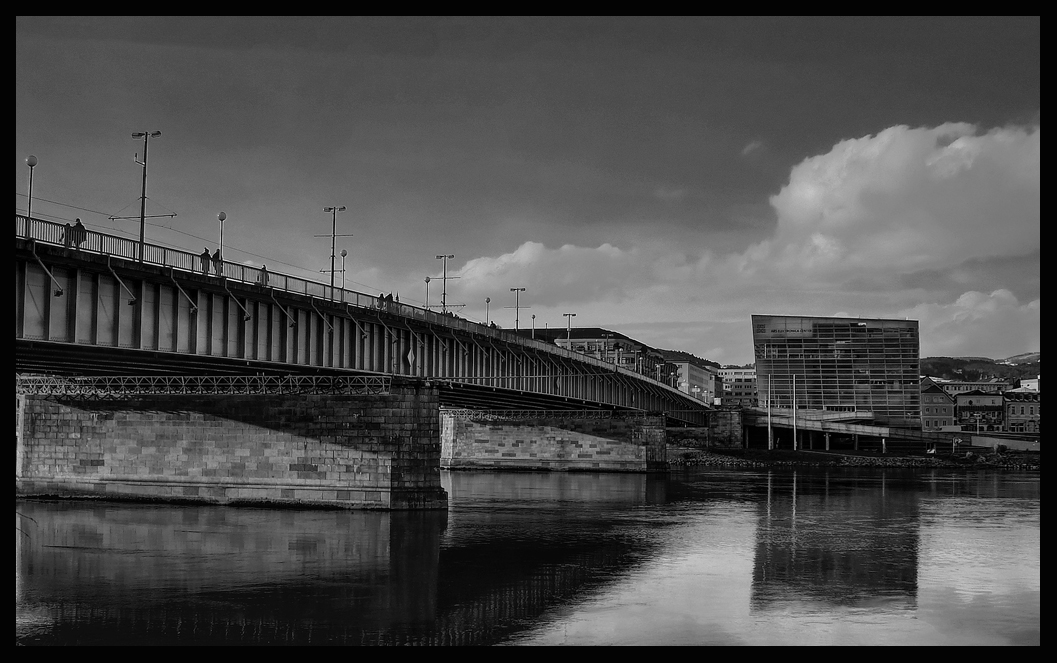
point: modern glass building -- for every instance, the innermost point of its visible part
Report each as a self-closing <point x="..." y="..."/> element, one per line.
<point x="840" y="364"/>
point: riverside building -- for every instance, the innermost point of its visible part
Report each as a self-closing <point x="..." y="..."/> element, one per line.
<point x="865" y="366"/>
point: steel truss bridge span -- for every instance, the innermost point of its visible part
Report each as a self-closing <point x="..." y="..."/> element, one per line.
<point x="143" y="385"/>
<point x="90" y="308"/>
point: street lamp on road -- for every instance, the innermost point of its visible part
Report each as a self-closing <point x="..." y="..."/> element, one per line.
<point x="145" y="135"/>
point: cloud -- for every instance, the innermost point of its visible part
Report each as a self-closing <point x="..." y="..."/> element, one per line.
<point x="754" y="146"/>
<point x="909" y="222"/>
<point x="977" y="324"/>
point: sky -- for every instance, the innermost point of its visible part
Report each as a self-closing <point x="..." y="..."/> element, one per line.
<point x="666" y="178"/>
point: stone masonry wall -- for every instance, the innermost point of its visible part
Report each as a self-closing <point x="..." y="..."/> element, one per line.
<point x="726" y="429"/>
<point x="351" y="451"/>
<point x="621" y="443"/>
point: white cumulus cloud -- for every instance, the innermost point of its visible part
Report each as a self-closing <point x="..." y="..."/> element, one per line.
<point x="860" y="229"/>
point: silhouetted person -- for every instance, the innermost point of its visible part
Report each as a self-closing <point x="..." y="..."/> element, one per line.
<point x="205" y="260"/>
<point x="381" y="300"/>
<point x="80" y="233"/>
<point x="218" y="263"/>
<point x="67" y="235"/>
<point x="263" y="277"/>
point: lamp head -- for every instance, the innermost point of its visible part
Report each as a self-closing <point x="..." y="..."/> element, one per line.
<point x="31" y="161"/>
<point x="344" y="253"/>
<point x="222" y="216"/>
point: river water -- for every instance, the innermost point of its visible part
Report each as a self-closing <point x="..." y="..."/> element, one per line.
<point x="697" y="557"/>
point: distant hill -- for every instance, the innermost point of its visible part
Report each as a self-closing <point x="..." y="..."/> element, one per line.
<point x="1026" y="358"/>
<point x="982" y="368"/>
<point x="680" y="355"/>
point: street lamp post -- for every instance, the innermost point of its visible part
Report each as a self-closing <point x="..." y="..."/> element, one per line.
<point x="569" y="327"/>
<point x="343" y="254"/>
<point x="533" y="325"/>
<point x="145" y="135"/>
<point x="221" y="217"/>
<point x="31" y="161"/>
<point x="487" y="301"/>
<point x="517" y="305"/>
<point x="444" y="282"/>
<point x="427" y="293"/>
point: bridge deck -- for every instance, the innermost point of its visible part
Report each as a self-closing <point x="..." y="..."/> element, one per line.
<point x="90" y="307"/>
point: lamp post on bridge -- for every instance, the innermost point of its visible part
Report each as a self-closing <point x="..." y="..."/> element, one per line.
<point x="221" y="217"/>
<point x="145" y="135"/>
<point x="487" y="301"/>
<point x="517" y="305"/>
<point x="333" y="236"/>
<point x="569" y="328"/>
<point x="31" y="161"/>
<point x="533" y="326"/>
<point x="427" y="292"/>
<point x="444" y="282"/>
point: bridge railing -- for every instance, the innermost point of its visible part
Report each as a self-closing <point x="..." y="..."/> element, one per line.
<point x="57" y="234"/>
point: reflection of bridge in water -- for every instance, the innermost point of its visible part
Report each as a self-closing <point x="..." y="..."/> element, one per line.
<point x="168" y="575"/>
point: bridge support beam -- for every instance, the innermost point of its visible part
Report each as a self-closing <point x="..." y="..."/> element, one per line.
<point x="598" y="441"/>
<point x="355" y="451"/>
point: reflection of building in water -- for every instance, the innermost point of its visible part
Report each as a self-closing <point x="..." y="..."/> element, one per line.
<point x="836" y="540"/>
<point x="215" y="575"/>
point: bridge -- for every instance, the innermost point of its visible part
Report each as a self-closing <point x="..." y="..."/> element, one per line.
<point x="101" y="318"/>
<point x="90" y="307"/>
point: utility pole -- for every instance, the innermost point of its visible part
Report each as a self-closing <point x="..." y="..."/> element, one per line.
<point x="517" y="306"/>
<point x="444" y="283"/>
<point x="569" y="328"/>
<point x="143" y="194"/>
<point x="333" y="236"/>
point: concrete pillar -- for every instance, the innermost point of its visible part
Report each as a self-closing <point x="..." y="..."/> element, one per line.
<point x="366" y="450"/>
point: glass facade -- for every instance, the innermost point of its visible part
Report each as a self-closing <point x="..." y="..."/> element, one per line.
<point x="840" y="364"/>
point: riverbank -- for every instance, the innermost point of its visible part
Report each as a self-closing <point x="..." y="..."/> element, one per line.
<point x="751" y="458"/>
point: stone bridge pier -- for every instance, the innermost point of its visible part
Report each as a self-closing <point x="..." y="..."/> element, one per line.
<point x="599" y="441"/>
<point x="370" y="443"/>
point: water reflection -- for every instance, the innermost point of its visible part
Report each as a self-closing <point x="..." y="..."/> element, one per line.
<point x="841" y="539"/>
<point x="698" y="557"/>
